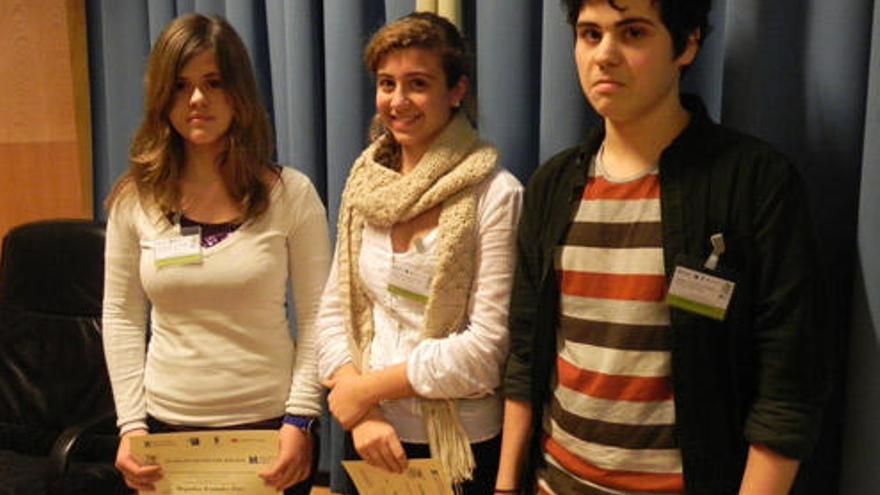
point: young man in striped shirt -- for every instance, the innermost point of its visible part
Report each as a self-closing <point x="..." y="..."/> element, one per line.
<point x="664" y="335"/>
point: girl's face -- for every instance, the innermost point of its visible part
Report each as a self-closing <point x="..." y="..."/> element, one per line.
<point x="413" y="99"/>
<point x="201" y="110"/>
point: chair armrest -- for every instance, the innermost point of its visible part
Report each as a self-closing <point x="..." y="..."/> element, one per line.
<point x="67" y="442"/>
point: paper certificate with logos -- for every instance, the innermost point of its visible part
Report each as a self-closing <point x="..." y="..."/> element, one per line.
<point x="421" y="477"/>
<point x="209" y="462"/>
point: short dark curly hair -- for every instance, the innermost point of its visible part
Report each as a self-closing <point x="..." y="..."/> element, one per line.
<point x="681" y="17"/>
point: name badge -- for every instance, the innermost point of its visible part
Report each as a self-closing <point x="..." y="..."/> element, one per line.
<point x="410" y="282"/>
<point x="699" y="292"/>
<point x="185" y="249"/>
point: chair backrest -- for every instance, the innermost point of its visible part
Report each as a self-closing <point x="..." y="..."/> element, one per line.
<point x="52" y="369"/>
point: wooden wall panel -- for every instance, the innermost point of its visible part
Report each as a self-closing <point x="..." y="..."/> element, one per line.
<point x="45" y="125"/>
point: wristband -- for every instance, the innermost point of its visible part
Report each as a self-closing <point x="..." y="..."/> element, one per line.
<point x="306" y="424"/>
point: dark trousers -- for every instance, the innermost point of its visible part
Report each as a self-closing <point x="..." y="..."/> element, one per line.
<point x="301" y="488"/>
<point x="486" y="456"/>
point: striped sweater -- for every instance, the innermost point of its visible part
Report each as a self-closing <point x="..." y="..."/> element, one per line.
<point x="609" y="426"/>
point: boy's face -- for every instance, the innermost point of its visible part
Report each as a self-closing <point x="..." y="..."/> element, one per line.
<point x="625" y="59"/>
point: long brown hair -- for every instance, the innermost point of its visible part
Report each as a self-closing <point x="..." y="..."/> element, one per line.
<point x="420" y="30"/>
<point x="156" y="156"/>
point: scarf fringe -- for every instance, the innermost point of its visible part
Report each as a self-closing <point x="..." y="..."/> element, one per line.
<point x="449" y="445"/>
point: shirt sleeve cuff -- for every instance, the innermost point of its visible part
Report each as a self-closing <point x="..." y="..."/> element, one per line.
<point x="138" y="424"/>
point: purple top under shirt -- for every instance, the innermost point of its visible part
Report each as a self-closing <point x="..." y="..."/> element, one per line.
<point x="212" y="233"/>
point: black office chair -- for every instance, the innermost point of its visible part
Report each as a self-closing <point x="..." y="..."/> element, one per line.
<point x="57" y="432"/>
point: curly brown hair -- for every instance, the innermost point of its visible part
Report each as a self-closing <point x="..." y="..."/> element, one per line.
<point x="156" y="155"/>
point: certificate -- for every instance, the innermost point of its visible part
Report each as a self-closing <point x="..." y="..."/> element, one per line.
<point x="209" y="462"/>
<point x="421" y="477"/>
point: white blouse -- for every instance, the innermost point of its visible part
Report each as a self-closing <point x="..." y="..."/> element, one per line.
<point x="466" y="366"/>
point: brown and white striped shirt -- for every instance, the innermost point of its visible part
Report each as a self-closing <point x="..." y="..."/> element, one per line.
<point x="609" y="426"/>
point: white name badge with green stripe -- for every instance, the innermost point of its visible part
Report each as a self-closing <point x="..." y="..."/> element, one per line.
<point x="698" y="292"/>
<point x="180" y="250"/>
<point x="409" y="282"/>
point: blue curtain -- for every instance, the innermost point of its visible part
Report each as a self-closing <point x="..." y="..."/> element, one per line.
<point x="794" y="72"/>
<point x="862" y="438"/>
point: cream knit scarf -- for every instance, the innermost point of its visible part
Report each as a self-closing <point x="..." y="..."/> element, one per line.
<point x="448" y="173"/>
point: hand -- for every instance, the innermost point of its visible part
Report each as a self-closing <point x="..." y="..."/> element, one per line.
<point x="139" y="477"/>
<point x="376" y="441"/>
<point x="347" y="401"/>
<point x="294" y="462"/>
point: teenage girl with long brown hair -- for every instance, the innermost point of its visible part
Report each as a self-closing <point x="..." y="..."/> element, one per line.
<point x="206" y="234"/>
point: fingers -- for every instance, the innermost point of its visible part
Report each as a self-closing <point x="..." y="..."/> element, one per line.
<point x="299" y="472"/>
<point x="140" y="477"/>
<point x="283" y="475"/>
<point x="136" y="476"/>
<point x="294" y="462"/>
<point x="377" y="444"/>
<point x="384" y="456"/>
<point x="389" y="455"/>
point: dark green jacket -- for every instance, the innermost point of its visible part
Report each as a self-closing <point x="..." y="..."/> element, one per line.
<point x="760" y="376"/>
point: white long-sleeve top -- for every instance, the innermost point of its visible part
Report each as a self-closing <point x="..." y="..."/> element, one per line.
<point x="466" y="365"/>
<point x="220" y="352"/>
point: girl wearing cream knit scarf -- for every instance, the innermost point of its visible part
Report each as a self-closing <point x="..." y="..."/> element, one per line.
<point x="448" y="174"/>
